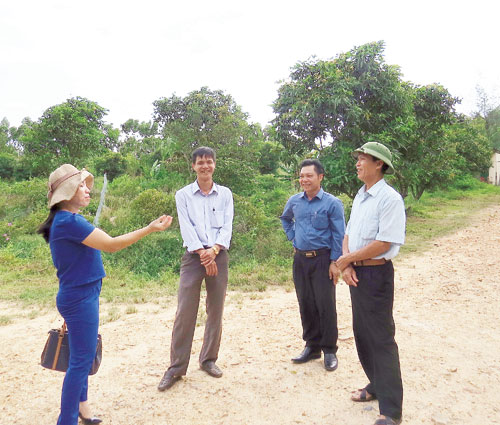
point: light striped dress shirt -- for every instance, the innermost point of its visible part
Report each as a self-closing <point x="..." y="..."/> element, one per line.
<point x="205" y="220"/>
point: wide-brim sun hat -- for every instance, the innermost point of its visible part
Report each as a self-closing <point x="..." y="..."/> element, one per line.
<point x="64" y="182"/>
<point x="377" y="150"/>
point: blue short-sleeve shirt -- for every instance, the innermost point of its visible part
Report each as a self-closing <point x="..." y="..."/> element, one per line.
<point x="76" y="264"/>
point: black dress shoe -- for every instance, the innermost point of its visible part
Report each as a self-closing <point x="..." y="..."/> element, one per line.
<point x="331" y="362"/>
<point x="89" y="421"/>
<point x="306" y="355"/>
<point x="167" y="381"/>
<point x="211" y="368"/>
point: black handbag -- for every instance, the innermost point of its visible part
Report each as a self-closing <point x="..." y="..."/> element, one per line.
<point x="55" y="354"/>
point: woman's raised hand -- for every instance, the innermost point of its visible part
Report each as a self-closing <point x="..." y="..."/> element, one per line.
<point x="161" y="223"/>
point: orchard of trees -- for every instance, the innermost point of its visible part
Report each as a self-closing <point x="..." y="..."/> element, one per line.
<point x="325" y="109"/>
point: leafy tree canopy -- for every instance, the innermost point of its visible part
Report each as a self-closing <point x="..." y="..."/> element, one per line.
<point x="73" y="131"/>
<point x="329" y="108"/>
<point x="139" y="138"/>
<point x="210" y="118"/>
<point x="332" y="107"/>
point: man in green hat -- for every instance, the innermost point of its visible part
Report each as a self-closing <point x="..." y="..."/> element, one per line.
<point x="374" y="234"/>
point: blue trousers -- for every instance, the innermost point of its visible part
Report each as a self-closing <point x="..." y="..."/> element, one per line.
<point x="79" y="306"/>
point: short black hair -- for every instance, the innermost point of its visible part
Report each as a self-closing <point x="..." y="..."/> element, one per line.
<point x="385" y="167"/>
<point x="203" y="151"/>
<point x="318" y="167"/>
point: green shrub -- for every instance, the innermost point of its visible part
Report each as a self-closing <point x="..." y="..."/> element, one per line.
<point x="152" y="255"/>
<point x="7" y="165"/>
<point x="111" y="163"/>
<point x="167" y="181"/>
<point x="347" y="202"/>
<point x="29" y="225"/>
<point x="32" y="193"/>
<point x="466" y="182"/>
<point x="125" y="186"/>
<point x="151" y="204"/>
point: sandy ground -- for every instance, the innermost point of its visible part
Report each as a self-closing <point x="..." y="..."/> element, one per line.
<point x="448" y="330"/>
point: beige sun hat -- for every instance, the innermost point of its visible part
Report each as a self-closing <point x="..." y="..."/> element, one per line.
<point x="64" y="182"/>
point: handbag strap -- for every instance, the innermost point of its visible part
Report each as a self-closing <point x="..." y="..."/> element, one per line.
<point x="62" y="331"/>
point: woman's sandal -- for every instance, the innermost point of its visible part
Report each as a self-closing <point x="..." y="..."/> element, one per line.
<point x="363" y="396"/>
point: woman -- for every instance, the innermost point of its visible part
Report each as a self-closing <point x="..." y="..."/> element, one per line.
<point x="76" y="247"/>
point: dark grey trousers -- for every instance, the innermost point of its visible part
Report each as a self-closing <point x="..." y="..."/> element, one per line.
<point x="192" y="275"/>
<point x="374" y="331"/>
<point x="316" y="296"/>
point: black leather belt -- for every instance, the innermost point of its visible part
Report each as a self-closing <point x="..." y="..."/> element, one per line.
<point x="371" y="262"/>
<point x="313" y="253"/>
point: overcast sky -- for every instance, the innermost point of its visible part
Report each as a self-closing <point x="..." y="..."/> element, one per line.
<point x="126" y="54"/>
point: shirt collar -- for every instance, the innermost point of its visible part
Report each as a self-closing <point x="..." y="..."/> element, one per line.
<point x="319" y="195"/>
<point x="196" y="188"/>
<point x="374" y="190"/>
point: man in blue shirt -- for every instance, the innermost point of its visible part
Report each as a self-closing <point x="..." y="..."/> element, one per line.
<point x="314" y="221"/>
<point x="375" y="231"/>
<point x="205" y="212"/>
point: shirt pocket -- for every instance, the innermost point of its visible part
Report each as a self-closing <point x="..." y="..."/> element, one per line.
<point x="369" y="229"/>
<point x="320" y="220"/>
<point x="217" y="219"/>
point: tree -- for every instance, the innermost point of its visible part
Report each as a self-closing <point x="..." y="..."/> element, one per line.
<point x="488" y="111"/>
<point x="73" y="131"/>
<point x="329" y="108"/>
<point x="471" y="145"/>
<point x="4" y="134"/>
<point x="9" y="158"/>
<point x="209" y="118"/>
<point x="7" y="165"/>
<point x="485" y="103"/>
<point x="492" y="125"/>
<point x="269" y="157"/>
<point x="111" y="163"/>
<point x="7" y="144"/>
<point x="140" y="138"/>
<point x="425" y="156"/>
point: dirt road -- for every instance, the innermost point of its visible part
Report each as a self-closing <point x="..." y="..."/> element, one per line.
<point x="448" y="330"/>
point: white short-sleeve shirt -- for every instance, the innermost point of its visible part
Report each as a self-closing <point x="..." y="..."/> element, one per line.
<point x="377" y="214"/>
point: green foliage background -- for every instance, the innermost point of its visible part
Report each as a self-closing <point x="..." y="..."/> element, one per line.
<point x="325" y="109"/>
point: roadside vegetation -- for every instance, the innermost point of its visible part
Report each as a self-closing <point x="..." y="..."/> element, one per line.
<point x="261" y="257"/>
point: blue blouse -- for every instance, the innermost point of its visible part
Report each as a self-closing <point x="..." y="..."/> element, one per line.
<point x="76" y="263"/>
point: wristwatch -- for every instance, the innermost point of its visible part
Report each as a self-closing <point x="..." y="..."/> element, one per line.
<point x="216" y="249"/>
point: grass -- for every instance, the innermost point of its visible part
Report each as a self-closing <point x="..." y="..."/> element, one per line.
<point x="112" y="315"/>
<point x="5" y="320"/>
<point x="27" y="276"/>
<point x="443" y="212"/>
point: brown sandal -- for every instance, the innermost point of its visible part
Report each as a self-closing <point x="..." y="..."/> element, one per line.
<point x="363" y="396"/>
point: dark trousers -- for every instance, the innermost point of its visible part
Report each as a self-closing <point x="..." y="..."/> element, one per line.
<point x="374" y="330"/>
<point x="79" y="306"/>
<point x="316" y="296"/>
<point x="192" y="275"/>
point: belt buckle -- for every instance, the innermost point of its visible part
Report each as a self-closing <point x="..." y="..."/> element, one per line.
<point x="310" y="254"/>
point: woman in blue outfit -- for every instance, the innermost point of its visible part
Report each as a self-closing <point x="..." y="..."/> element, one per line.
<point x="76" y="247"/>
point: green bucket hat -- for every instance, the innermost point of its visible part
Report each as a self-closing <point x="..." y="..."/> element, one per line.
<point x="377" y="150"/>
